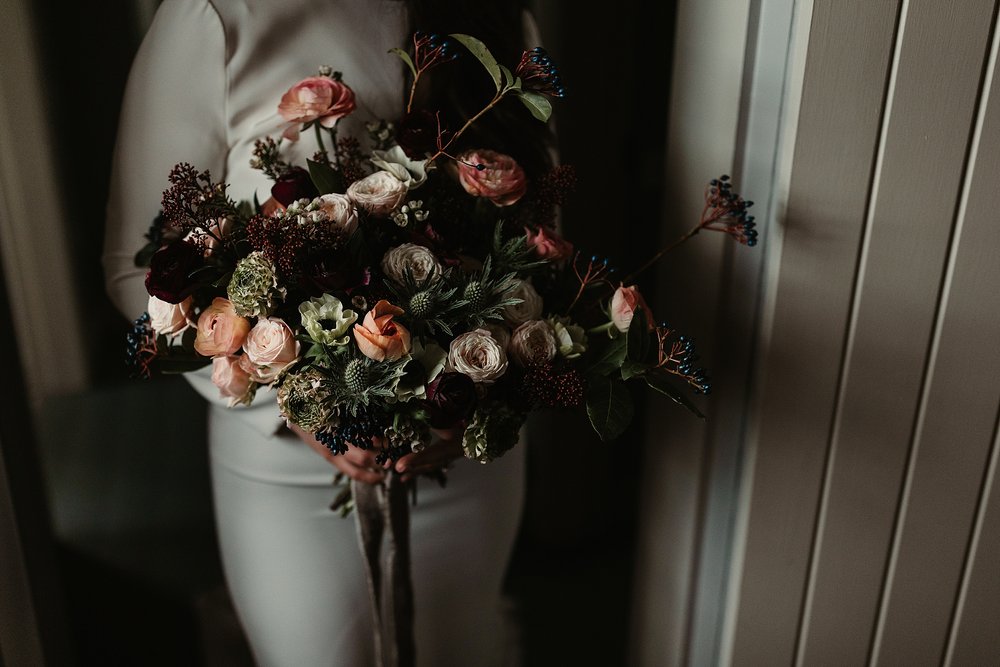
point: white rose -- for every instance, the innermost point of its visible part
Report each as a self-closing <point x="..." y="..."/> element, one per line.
<point x="533" y="343"/>
<point x="530" y="307"/>
<point x="418" y="259"/>
<point x="571" y="338"/>
<point x="380" y="193"/>
<point x="340" y="211"/>
<point x="169" y="319"/>
<point x="270" y="347"/>
<point x="410" y="172"/>
<point x="478" y="355"/>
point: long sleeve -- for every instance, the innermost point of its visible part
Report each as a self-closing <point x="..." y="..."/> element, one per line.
<point x="174" y="110"/>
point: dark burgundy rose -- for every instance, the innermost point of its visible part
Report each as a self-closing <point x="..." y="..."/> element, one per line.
<point x="170" y="268"/>
<point x="416" y="134"/>
<point x="294" y="185"/>
<point x="451" y="397"/>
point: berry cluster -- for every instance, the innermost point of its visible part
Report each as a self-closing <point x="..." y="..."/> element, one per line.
<point x="140" y="347"/>
<point x="546" y="386"/>
<point x="725" y="211"/>
<point x="538" y="73"/>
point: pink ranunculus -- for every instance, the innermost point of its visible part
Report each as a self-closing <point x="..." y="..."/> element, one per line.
<point x="170" y="319"/>
<point x="548" y="245"/>
<point x="220" y="330"/>
<point x="317" y="98"/>
<point x="501" y="180"/>
<point x="270" y="347"/>
<point x="624" y="303"/>
<point x="379" y="338"/>
<point x="232" y="380"/>
<point x="379" y="193"/>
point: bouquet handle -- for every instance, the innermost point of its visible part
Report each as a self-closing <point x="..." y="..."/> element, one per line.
<point x="382" y="511"/>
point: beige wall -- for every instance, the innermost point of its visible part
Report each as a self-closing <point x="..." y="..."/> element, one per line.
<point x="871" y="525"/>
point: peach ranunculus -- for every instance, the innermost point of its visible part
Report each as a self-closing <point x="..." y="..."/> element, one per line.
<point x="317" y="98"/>
<point x="548" y="245"/>
<point x="270" y="347"/>
<point x="232" y="380"/>
<point x="501" y="180"/>
<point x="220" y="330"/>
<point x="170" y="319"/>
<point x="379" y="337"/>
<point x="380" y="193"/>
<point x="624" y="303"/>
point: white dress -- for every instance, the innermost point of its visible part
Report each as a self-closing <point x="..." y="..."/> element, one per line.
<point x="204" y="86"/>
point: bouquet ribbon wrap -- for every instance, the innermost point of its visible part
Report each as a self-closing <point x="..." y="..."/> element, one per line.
<point x="382" y="512"/>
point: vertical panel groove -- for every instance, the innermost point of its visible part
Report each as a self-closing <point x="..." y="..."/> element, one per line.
<point x="982" y="100"/>
<point x="989" y="478"/>
<point x="805" y="607"/>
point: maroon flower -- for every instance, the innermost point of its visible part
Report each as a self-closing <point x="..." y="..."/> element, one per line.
<point x="451" y="397"/>
<point x="417" y="134"/>
<point x="294" y="185"/>
<point x="170" y="268"/>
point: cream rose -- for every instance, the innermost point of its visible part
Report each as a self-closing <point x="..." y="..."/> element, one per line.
<point x="220" y="330"/>
<point x="624" y="303"/>
<point x="379" y="194"/>
<point x="233" y="382"/>
<point x="478" y="355"/>
<point x="270" y="347"/>
<point x="339" y="211"/>
<point x="533" y="343"/>
<point x="170" y="319"/>
<point x="530" y="307"/>
<point x="420" y="261"/>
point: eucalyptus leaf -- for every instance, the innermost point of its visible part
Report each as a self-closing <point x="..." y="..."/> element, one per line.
<point x="661" y="383"/>
<point x="326" y="179"/>
<point x="609" y="406"/>
<point x="483" y="54"/>
<point x="537" y="104"/>
<point x="638" y="336"/>
<point x="609" y="359"/>
<point x="405" y="57"/>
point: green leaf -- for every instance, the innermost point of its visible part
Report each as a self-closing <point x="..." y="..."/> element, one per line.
<point x="660" y="383"/>
<point x="609" y="406"/>
<point x="483" y="54"/>
<point x="610" y="359"/>
<point x="638" y="336"/>
<point x="405" y="57"/>
<point x="143" y="257"/>
<point x="326" y="179"/>
<point x="508" y="77"/>
<point x="537" y="104"/>
<point x="631" y="369"/>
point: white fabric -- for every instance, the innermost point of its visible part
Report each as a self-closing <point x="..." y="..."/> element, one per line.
<point x="204" y="86"/>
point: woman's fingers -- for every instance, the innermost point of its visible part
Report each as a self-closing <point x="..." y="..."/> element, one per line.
<point x="357" y="463"/>
<point x="357" y="472"/>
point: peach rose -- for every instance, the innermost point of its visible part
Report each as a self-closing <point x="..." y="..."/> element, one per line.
<point x="624" y="303"/>
<point x="501" y="180"/>
<point x="270" y="347"/>
<point x="380" y="193"/>
<point x="339" y="211"/>
<point x="233" y="382"/>
<point x="167" y="318"/>
<point x="319" y="98"/>
<point x="220" y="330"/>
<point x="548" y="245"/>
<point x="379" y="337"/>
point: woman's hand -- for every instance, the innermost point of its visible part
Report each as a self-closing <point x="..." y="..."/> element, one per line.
<point x="445" y="448"/>
<point x="357" y="463"/>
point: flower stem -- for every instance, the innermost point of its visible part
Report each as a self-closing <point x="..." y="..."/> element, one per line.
<point x="663" y="251"/>
<point x="319" y="137"/>
<point x="443" y="149"/>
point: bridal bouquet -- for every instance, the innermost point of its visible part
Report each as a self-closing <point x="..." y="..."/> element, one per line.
<point x="388" y="292"/>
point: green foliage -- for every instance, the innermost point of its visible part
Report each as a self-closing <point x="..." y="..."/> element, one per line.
<point x="609" y="406"/>
<point x="609" y="359"/>
<point x="514" y="255"/>
<point x="326" y="179"/>
<point x="479" y="50"/>
<point x="405" y="57"/>
<point x="537" y="104"/>
<point x="659" y="381"/>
